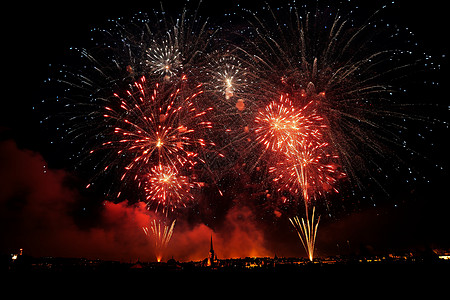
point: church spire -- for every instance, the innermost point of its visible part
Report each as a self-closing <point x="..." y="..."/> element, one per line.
<point x="211" y="250"/>
<point x="211" y="257"/>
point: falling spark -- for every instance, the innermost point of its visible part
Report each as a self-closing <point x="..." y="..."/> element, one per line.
<point x="307" y="232"/>
<point x="161" y="233"/>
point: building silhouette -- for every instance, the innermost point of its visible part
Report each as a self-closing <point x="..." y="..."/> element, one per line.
<point x="212" y="257"/>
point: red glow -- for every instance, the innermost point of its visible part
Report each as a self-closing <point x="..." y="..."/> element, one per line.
<point x="303" y="162"/>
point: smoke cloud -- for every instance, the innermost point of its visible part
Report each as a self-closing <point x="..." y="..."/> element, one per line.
<point x="40" y="212"/>
<point x="239" y="236"/>
<point x="37" y="207"/>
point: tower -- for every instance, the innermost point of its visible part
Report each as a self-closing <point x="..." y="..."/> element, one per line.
<point x="211" y="257"/>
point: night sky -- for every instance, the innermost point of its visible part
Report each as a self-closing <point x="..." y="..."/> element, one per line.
<point x="45" y="209"/>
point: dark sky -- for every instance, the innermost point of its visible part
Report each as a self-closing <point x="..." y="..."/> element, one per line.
<point x="42" y="208"/>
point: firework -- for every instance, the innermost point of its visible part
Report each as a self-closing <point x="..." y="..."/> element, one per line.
<point x="178" y="48"/>
<point x="161" y="234"/>
<point x="164" y="58"/>
<point x="295" y="140"/>
<point x="307" y="232"/>
<point x="345" y="70"/>
<point x="312" y="172"/>
<point x="308" y="89"/>
<point x="226" y="77"/>
<point x="157" y="133"/>
<point x="165" y="187"/>
<point x="321" y="59"/>
<point x="302" y="159"/>
<point x="283" y="127"/>
<point x="135" y="101"/>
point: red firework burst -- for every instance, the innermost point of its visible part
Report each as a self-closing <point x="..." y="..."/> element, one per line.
<point x="165" y="187"/>
<point x="159" y="131"/>
<point x="303" y="160"/>
<point x="283" y="127"/>
<point x="313" y="171"/>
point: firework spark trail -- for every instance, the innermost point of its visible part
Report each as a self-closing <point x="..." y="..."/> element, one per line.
<point x="157" y="131"/>
<point x="165" y="187"/>
<point x="137" y="100"/>
<point x="281" y="126"/>
<point x="160" y="125"/>
<point x="312" y="171"/>
<point x="348" y="71"/>
<point x="161" y="234"/>
<point x="302" y="159"/>
<point x="307" y="232"/>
